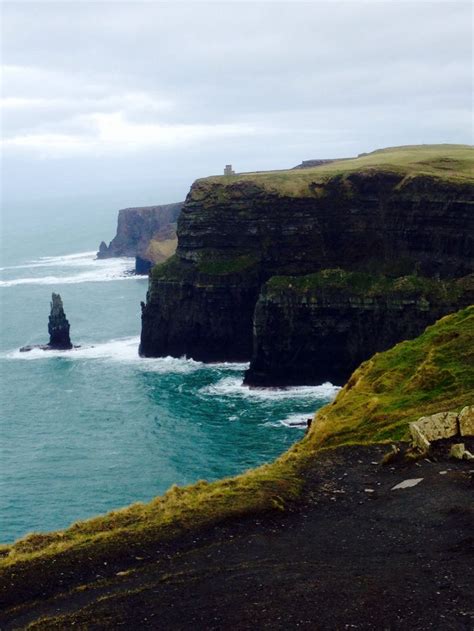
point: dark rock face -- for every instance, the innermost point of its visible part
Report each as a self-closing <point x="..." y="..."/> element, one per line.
<point x="235" y="236"/>
<point x="307" y="335"/>
<point x="103" y="250"/>
<point x="58" y="326"/>
<point x="142" y="266"/>
<point x="202" y="316"/>
<point x="58" y="329"/>
<point x="136" y="227"/>
<point x="360" y="221"/>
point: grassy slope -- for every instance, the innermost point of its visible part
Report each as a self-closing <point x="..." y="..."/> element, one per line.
<point x="432" y="373"/>
<point x="454" y="163"/>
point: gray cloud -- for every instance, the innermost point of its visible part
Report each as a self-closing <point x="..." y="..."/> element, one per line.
<point x="164" y="92"/>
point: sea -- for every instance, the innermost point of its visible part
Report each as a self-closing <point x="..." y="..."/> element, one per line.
<point x="97" y="428"/>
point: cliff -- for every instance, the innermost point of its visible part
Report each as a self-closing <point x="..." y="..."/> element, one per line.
<point x="395" y="212"/>
<point x="308" y="329"/>
<point x="147" y="233"/>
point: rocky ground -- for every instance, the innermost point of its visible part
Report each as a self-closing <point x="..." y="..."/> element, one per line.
<point x="353" y="554"/>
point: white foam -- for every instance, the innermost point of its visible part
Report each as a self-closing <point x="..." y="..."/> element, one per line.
<point x="122" y="350"/>
<point x="233" y="387"/>
<point x="239" y="366"/>
<point x="89" y="270"/>
<point x="294" y="421"/>
<point x="77" y="259"/>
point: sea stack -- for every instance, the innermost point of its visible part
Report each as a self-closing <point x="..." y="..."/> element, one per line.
<point x="58" y="329"/>
<point x="58" y="326"/>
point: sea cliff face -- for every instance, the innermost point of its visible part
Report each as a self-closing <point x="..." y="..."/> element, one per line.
<point x="309" y="329"/>
<point x="201" y="315"/>
<point x="378" y="215"/>
<point x="147" y="233"/>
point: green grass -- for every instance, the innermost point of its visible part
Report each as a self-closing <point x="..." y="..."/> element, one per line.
<point x="452" y="163"/>
<point x="170" y="269"/>
<point x="369" y="285"/>
<point x="431" y="373"/>
<point x="223" y="266"/>
<point x="210" y="264"/>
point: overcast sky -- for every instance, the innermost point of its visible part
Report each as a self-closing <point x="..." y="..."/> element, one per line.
<point x="145" y="97"/>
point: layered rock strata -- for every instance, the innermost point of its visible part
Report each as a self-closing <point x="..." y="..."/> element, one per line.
<point x="309" y="329"/>
<point x="237" y="233"/>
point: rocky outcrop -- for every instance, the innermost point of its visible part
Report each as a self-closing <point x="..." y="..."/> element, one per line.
<point x="58" y="325"/>
<point x="445" y="430"/>
<point x="306" y="164"/>
<point x="58" y="329"/>
<point x="236" y="234"/>
<point x="147" y="233"/>
<point x="320" y="327"/>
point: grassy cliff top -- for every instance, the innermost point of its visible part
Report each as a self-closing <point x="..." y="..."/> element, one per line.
<point x="429" y="374"/>
<point x="454" y="163"/>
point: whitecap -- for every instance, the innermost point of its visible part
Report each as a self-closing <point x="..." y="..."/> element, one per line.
<point x="238" y="366"/>
<point x="124" y="350"/>
<point x="99" y="270"/>
<point x="77" y="259"/>
<point x="233" y="387"/>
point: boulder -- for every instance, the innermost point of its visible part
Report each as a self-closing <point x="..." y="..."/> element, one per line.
<point x="466" y="421"/>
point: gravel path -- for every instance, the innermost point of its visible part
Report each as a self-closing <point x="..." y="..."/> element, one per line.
<point x="354" y="554"/>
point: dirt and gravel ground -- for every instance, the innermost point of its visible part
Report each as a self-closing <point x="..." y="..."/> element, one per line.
<point x="353" y="554"/>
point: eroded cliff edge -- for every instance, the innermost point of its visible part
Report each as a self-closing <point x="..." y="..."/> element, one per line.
<point x="404" y="212"/>
<point x="148" y="233"/>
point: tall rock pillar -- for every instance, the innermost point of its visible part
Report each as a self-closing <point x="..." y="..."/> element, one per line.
<point x="58" y="326"/>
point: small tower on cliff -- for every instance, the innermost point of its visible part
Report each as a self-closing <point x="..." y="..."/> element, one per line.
<point x="228" y="170"/>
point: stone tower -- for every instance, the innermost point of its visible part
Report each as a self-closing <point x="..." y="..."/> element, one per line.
<point x="228" y="170"/>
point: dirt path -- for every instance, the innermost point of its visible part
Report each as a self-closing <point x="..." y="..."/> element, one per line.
<point x="353" y="555"/>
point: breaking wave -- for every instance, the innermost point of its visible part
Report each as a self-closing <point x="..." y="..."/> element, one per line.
<point x="294" y="421"/>
<point x="233" y="387"/>
<point x="123" y="350"/>
<point x="82" y="267"/>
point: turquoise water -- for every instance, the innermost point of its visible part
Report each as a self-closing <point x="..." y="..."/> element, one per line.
<point x="97" y="428"/>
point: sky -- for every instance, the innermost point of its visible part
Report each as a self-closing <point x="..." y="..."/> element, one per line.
<point x="142" y="98"/>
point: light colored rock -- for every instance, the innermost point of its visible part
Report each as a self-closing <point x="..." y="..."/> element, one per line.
<point x="457" y="451"/>
<point x="418" y="438"/>
<point x="460" y="452"/>
<point x="406" y="484"/>
<point x="466" y="421"/>
<point x="434" y="427"/>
